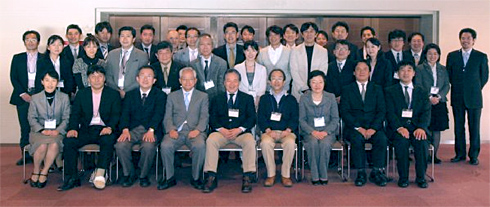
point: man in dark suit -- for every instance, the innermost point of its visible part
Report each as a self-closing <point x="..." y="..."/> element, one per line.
<point x="141" y="123"/>
<point x="408" y="115"/>
<point x="73" y="50"/>
<point x="231" y="118"/>
<point x="103" y="31"/>
<point x="166" y="69"/>
<point x="363" y="111"/>
<point x="186" y="123"/>
<point x="231" y="52"/>
<point x="468" y="73"/>
<point x="25" y="76"/>
<point x="93" y="120"/>
<point x="416" y="42"/>
<point x="395" y="55"/>
<point x="366" y="33"/>
<point x="340" y="31"/>
<point x="340" y="72"/>
<point x="147" y="32"/>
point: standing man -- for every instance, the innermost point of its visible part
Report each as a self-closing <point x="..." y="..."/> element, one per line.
<point x="468" y="74"/>
<point x="340" y="72"/>
<point x="166" y="70"/>
<point x="103" y="32"/>
<point x="181" y="29"/>
<point x="147" y="32"/>
<point x="395" y="55"/>
<point x="73" y="50"/>
<point x="230" y="51"/>
<point x="416" y="41"/>
<point x="366" y="33"/>
<point x="123" y="63"/>
<point x="26" y="81"/>
<point x="191" y="52"/>
<point x="186" y="123"/>
<point x="340" y="31"/>
<point x="174" y="38"/>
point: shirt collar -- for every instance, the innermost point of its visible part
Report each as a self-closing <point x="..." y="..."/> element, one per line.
<point x="469" y="51"/>
<point x="410" y="85"/>
<point x="147" y="92"/>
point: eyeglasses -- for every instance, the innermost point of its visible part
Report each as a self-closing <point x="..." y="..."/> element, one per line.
<point x="30" y="40"/>
<point x="145" y="76"/>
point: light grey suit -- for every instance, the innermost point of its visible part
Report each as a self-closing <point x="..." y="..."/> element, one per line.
<point x="177" y="117"/>
<point x="216" y="73"/>
<point x="183" y="56"/>
<point x="424" y="77"/>
<point x="282" y="63"/>
<point x="137" y="58"/>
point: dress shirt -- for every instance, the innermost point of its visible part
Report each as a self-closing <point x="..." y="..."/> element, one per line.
<point x="342" y="64"/>
<point x="278" y="96"/>
<point x="144" y="92"/>
<point x="56" y="64"/>
<point x="192" y="54"/>
<point x="359" y="85"/>
<point x="410" y="89"/>
<point x="395" y="55"/>
<point x="77" y="48"/>
<point x="434" y="73"/>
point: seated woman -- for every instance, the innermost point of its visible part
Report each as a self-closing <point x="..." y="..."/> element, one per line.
<point x="254" y="75"/>
<point x="318" y="120"/>
<point x="81" y="65"/>
<point x="48" y="116"/>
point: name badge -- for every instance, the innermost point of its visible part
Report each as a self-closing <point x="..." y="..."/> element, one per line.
<point x="276" y="116"/>
<point x="434" y="90"/>
<point x="233" y="113"/>
<point x="395" y="76"/>
<point x="61" y="84"/>
<point x="50" y="124"/>
<point x="95" y="120"/>
<point x="407" y="113"/>
<point x="319" y="122"/>
<point x="208" y="85"/>
<point x="166" y="90"/>
<point x="120" y="82"/>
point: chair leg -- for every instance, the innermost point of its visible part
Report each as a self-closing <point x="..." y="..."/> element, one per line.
<point x="348" y="161"/>
<point x="296" y="163"/>
<point x="24" y="163"/>
<point x="302" y="162"/>
<point x="156" y="164"/>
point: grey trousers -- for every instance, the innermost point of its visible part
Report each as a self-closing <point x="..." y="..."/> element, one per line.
<point x="147" y="149"/>
<point x="319" y="155"/>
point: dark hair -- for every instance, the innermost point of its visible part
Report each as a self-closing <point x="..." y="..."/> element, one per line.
<point x="397" y="34"/>
<point x="251" y="44"/>
<point x="275" y="29"/>
<point x="230" y="24"/>
<point x="291" y="27"/>
<point x="181" y="27"/>
<point x="53" y="39"/>
<point x="432" y="46"/>
<point x="73" y="26"/>
<point x="342" y="42"/>
<point x="321" y="32"/>
<point x="233" y="70"/>
<point x="90" y="39"/>
<point x="365" y="62"/>
<point x="375" y="41"/>
<point x="277" y="69"/>
<point x="147" y="26"/>
<point x="53" y="74"/>
<point x="127" y="28"/>
<point x="415" y="34"/>
<point x="95" y="69"/>
<point x="340" y="24"/>
<point x="164" y="45"/>
<point x="248" y="28"/>
<point x="192" y="28"/>
<point x="316" y="73"/>
<point x="103" y="25"/>
<point x="38" y="36"/>
<point x="305" y="26"/>
<point x="404" y="63"/>
<point x="147" y="67"/>
<point x="368" y="28"/>
<point x="468" y="30"/>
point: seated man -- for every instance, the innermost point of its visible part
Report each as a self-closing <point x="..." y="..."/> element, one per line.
<point x="185" y="122"/>
<point x="141" y="123"/>
<point x="93" y="119"/>
<point x="232" y="116"/>
<point x="408" y="115"/>
<point x="278" y="119"/>
<point x="363" y="111"/>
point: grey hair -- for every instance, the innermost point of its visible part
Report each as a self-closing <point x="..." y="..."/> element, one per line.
<point x="202" y="36"/>
<point x="187" y="69"/>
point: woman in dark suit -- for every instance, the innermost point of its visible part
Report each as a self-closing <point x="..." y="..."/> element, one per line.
<point x="381" y="68"/>
<point x="48" y="115"/>
<point x="433" y="77"/>
<point x="87" y="59"/>
<point x="54" y="60"/>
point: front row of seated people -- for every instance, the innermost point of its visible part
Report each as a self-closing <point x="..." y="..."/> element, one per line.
<point x="97" y="114"/>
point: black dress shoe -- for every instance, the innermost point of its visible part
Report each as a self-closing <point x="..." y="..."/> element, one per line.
<point x="403" y="183"/>
<point x="437" y="160"/>
<point x="324" y="182"/>
<point x="377" y="177"/>
<point x="127" y="181"/>
<point x="361" y="178"/>
<point x="422" y="183"/>
<point x="474" y="161"/>
<point x="458" y="159"/>
<point x="145" y="182"/>
<point x="210" y="184"/>
<point x="166" y="184"/>
<point x="197" y="184"/>
<point x="246" y="184"/>
<point x="317" y="182"/>
<point x="69" y="184"/>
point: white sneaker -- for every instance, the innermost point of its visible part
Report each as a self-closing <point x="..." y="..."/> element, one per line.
<point x="99" y="182"/>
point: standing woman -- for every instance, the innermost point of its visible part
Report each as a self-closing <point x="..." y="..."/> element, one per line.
<point x="54" y="60"/>
<point x="322" y="38"/>
<point x="319" y="120"/>
<point x="254" y="75"/>
<point x="433" y="77"/>
<point x="48" y="116"/>
<point x="81" y="65"/>
<point x="381" y="68"/>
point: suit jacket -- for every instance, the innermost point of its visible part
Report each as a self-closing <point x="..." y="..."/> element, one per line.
<point x="218" y="112"/>
<point x="137" y="58"/>
<point x="69" y="55"/>
<point x="82" y="109"/>
<point x="259" y="82"/>
<point x="99" y="53"/>
<point x="287" y="106"/>
<point x="283" y="63"/>
<point x="467" y="81"/>
<point x="150" y="115"/>
<point x="183" y="56"/>
<point x="173" y="75"/>
<point x="66" y="72"/>
<point x="395" y="103"/>
<point x="360" y="54"/>
<point x="197" y="115"/>
<point x="153" y="50"/>
<point x="222" y="53"/>
<point x="383" y="72"/>
<point x="216" y="73"/>
<point x="327" y="109"/>
<point x="412" y="59"/>
<point x="352" y="56"/>
<point x="336" y="80"/>
<point x="19" y="79"/>
<point x="368" y="114"/>
<point x="424" y="78"/>
<point x="38" y="111"/>
<point x="299" y="66"/>
<point x="406" y="56"/>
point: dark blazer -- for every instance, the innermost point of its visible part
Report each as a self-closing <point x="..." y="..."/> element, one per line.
<point x="406" y="56"/>
<point x="288" y="107"/>
<point x="99" y="53"/>
<point x="82" y="109"/>
<point x="173" y="75"/>
<point x="383" y="72"/>
<point x="369" y="114"/>
<point x="395" y="103"/>
<point x="412" y="59"/>
<point x="360" y="54"/>
<point x="150" y="115"/>
<point x="467" y="82"/>
<point x="336" y="80"/>
<point x="216" y="73"/>
<point x="352" y="56"/>
<point x="218" y="112"/>
<point x="153" y="50"/>
<point x="66" y="72"/>
<point x="19" y="79"/>
<point x="69" y="56"/>
<point x="222" y="53"/>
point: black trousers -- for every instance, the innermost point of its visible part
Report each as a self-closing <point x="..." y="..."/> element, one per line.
<point x="86" y="136"/>
<point x="420" y="148"/>
<point x="25" y="128"/>
<point x="474" y="116"/>
<point x="378" y="151"/>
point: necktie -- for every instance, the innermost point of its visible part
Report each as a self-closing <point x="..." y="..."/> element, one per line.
<point x="230" y="101"/>
<point x="123" y="62"/>
<point x="231" y="59"/>
<point x="340" y="67"/>
<point x="206" y="70"/>
<point x="104" y="51"/>
<point x="417" y="58"/>
<point x="143" y="99"/>
<point x="407" y="97"/>
<point x="363" y="91"/>
<point x="466" y="56"/>
<point x="147" y="51"/>
<point x="397" y="57"/>
<point x="75" y="53"/>
<point x="186" y="100"/>
<point x="165" y="74"/>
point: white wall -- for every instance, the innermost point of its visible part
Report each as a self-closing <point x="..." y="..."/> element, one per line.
<point x="51" y="17"/>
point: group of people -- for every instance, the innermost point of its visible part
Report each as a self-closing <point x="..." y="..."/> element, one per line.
<point x="184" y="92"/>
